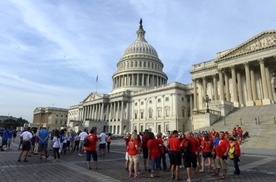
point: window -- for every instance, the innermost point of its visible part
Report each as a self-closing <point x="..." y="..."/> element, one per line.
<point x="142" y="115"/>
<point x="142" y="103"/>
<point x="150" y="101"/>
<point x="159" y="100"/>
<point x="150" y="113"/>
<point x="182" y="99"/>
<point x="159" y="112"/>
<point x="135" y="115"/>
<point x="135" y="103"/>
<point x="167" y="112"/>
<point x="167" y="99"/>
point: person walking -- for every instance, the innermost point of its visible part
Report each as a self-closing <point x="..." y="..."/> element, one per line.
<point x="102" y="143"/>
<point x="133" y="153"/>
<point x="26" y="145"/>
<point x="56" y="144"/>
<point x="108" y="141"/>
<point x="82" y="136"/>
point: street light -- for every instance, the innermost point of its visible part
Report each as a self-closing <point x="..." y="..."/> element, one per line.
<point x="207" y="100"/>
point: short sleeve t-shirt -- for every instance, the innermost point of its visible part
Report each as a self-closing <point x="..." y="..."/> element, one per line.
<point x="222" y="147"/>
<point x="153" y="146"/>
<point x="92" y="142"/>
<point x="132" y="147"/>
<point x="174" y="144"/>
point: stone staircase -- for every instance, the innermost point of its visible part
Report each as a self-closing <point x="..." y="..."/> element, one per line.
<point x="259" y="121"/>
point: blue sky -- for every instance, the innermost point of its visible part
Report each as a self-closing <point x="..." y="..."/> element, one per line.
<point x="52" y="51"/>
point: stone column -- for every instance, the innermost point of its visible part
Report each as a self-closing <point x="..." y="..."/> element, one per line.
<point x="137" y="79"/>
<point x="102" y="112"/>
<point x="191" y="105"/>
<point x="107" y="112"/>
<point x="132" y="82"/>
<point x="227" y="86"/>
<point x="122" y="111"/>
<point x="143" y="79"/>
<point x="111" y="111"/>
<point x="240" y="89"/>
<point x="215" y="87"/>
<point x="195" y="95"/>
<point x="270" y="94"/>
<point x="266" y="100"/>
<point x="148" y="80"/>
<point x="253" y="85"/>
<point x="235" y="99"/>
<point x="249" y="101"/>
<point x="221" y="92"/>
<point x="204" y="91"/>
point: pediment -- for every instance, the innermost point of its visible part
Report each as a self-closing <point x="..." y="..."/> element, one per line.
<point x="259" y="42"/>
<point x="92" y="96"/>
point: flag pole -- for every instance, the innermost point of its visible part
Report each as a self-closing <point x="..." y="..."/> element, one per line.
<point x="96" y="83"/>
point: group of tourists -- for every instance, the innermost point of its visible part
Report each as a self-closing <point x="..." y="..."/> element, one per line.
<point x="61" y="143"/>
<point x="8" y="136"/>
<point x="188" y="150"/>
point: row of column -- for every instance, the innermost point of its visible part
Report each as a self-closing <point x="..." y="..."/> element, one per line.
<point x="224" y="91"/>
<point x="112" y="111"/>
<point x="138" y="80"/>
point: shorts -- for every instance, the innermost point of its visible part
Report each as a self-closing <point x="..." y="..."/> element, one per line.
<point x="26" y="146"/>
<point x="207" y="155"/>
<point x="145" y="153"/>
<point x="175" y="158"/>
<point x="102" y="146"/>
<point x="190" y="160"/>
<point x="9" y="140"/>
<point x="94" y="155"/>
<point x="221" y="163"/>
<point x="42" y="147"/>
<point x="81" y="144"/>
<point x="134" y="158"/>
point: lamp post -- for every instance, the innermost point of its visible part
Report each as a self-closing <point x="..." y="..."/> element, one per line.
<point x="207" y="100"/>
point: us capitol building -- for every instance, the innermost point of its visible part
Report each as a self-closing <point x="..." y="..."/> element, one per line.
<point x="142" y="99"/>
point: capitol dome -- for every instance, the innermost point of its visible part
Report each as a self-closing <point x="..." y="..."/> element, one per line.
<point x="139" y="67"/>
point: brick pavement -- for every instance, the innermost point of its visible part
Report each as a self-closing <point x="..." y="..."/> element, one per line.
<point x="254" y="167"/>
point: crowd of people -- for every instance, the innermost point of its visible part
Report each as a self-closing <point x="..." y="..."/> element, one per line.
<point x="188" y="150"/>
<point x="185" y="150"/>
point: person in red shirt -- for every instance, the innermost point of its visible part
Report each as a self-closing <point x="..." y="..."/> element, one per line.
<point x="127" y="139"/>
<point x="91" y="148"/>
<point x="154" y="154"/>
<point x="191" y="157"/>
<point x="206" y="148"/>
<point x="175" y="155"/>
<point x="237" y="152"/>
<point x="133" y="153"/>
<point x="162" y="151"/>
<point x="145" y="140"/>
<point x="222" y="150"/>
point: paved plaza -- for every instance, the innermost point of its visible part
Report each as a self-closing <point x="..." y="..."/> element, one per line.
<point x="256" y="165"/>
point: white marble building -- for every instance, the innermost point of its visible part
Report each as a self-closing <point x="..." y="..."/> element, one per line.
<point x="142" y="99"/>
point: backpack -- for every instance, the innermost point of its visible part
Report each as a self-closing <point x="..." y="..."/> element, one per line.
<point x="232" y="152"/>
<point x="187" y="146"/>
<point x="85" y="142"/>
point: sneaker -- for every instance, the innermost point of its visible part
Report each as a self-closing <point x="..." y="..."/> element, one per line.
<point x="223" y="177"/>
<point x="2" y="150"/>
<point x="201" y="171"/>
<point x="130" y="175"/>
<point x="137" y="176"/>
<point x="80" y="155"/>
<point x="25" y="160"/>
<point x="19" y="160"/>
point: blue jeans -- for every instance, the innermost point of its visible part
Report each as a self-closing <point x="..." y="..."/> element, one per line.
<point x="163" y="159"/>
<point x="155" y="164"/>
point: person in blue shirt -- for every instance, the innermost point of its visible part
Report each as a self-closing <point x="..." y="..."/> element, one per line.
<point x="10" y="132"/>
<point x="43" y="136"/>
<point x="4" y="139"/>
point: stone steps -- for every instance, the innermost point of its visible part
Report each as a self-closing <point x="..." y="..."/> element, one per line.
<point x="262" y="130"/>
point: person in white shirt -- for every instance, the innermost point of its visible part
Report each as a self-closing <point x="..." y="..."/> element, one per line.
<point x="102" y="144"/>
<point x="26" y="146"/>
<point x="82" y="136"/>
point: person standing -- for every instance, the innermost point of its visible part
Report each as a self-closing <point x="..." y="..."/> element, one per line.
<point x="235" y="153"/>
<point x="145" y="140"/>
<point x="82" y="136"/>
<point x="154" y="155"/>
<point x="133" y="153"/>
<point x="43" y="136"/>
<point x="91" y="148"/>
<point x="4" y="139"/>
<point x="14" y="134"/>
<point x="222" y="150"/>
<point x="10" y="131"/>
<point x="102" y="143"/>
<point x="56" y="144"/>
<point x="26" y="145"/>
<point x="108" y="141"/>
<point x="175" y="155"/>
